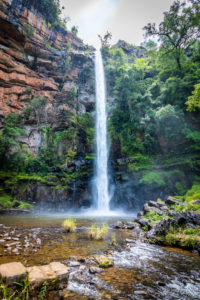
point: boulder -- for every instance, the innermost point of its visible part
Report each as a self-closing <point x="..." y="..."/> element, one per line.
<point x="153" y="204"/>
<point x="104" y="261"/>
<point x="172" y="201"/>
<point x="13" y="272"/>
<point x="148" y="208"/>
<point x="164" y="208"/>
<point x="140" y="214"/>
<point x="94" y="270"/>
<point x="142" y="221"/>
<point x="185" y="219"/>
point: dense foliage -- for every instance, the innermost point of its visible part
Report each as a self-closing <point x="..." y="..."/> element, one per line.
<point x="50" y="9"/>
<point x="58" y="148"/>
<point x="154" y="85"/>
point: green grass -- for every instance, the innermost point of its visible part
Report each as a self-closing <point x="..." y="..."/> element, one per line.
<point x="153" y="177"/>
<point x="189" y="241"/>
<point x="188" y="199"/>
<point x="141" y="162"/>
<point x="7" y="202"/>
<point x="154" y="217"/>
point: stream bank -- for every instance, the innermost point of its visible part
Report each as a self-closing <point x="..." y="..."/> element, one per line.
<point x="140" y="270"/>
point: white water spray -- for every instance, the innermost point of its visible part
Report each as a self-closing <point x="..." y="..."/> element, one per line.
<point x="101" y="182"/>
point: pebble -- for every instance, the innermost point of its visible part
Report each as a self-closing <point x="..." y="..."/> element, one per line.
<point x="2" y="241"/>
<point x="74" y="264"/>
<point x="160" y="283"/>
<point x="12" y="244"/>
<point x="130" y="241"/>
<point x="15" y="251"/>
<point x="38" y="241"/>
<point x="94" y="270"/>
<point x="141" y="292"/>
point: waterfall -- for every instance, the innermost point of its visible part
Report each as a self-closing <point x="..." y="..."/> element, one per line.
<point x="101" y="173"/>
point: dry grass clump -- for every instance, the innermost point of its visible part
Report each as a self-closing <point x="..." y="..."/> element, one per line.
<point x="69" y="225"/>
<point x="97" y="233"/>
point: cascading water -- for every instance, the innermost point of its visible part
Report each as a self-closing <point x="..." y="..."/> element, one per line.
<point x="101" y="173"/>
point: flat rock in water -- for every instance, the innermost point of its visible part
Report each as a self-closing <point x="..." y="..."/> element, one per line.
<point x="38" y="274"/>
<point x="14" y="271"/>
<point x="94" y="270"/>
<point x="104" y="261"/>
<point x="130" y="241"/>
<point x="73" y="264"/>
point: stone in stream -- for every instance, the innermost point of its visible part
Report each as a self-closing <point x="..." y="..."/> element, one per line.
<point x="16" y="251"/>
<point x="94" y="270"/>
<point x="12" y="244"/>
<point x="130" y="241"/>
<point x="140" y="292"/>
<point x="73" y="264"/>
<point x="15" y="239"/>
<point x="11" y="272"/>
<point x="104" y="261"/>
<point x="55" y="270"/>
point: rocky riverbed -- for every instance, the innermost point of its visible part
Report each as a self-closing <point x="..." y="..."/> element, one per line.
<point x="130" y="269"/>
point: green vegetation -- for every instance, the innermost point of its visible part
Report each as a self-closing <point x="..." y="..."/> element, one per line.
<point x="114" y="239"/>
<point x="28" y="30"/>
<point x="190" y="200"/>
<point x="18" y="291"/>
<point x="51" y="10"/>
<point x="97" y="233"/>
<point x="14" y="156"/>
<point x="154" y="217"/>
<point x="150" y="117"/>
<point x="188" y="238"/>
<point x="152" y="177"/>
<point x="7" y="202"/>
<point x="43" y="290"/>
<point x="74" y="30"/>
<point x="69" y="225"/>
<point x="193" y="102"/>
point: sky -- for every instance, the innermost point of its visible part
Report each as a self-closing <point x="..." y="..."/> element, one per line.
<point x="123" y="18"/>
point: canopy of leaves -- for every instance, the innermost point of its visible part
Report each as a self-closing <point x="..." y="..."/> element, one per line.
<point x="179" y="29"/>
<point x="50" y="9"/>
<point x="149" y="115"/>
<point x="193" y="102"/>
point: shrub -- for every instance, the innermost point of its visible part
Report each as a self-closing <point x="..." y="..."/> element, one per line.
<point x="152" y="177"/>
<point x="69" y="225"/>
<point x="154" y="217"/>
<point x="97" y="233"/>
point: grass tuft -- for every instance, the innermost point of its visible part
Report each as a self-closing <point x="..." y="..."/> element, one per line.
<point x="69" y="225"/>
<point x="97" y="233"/>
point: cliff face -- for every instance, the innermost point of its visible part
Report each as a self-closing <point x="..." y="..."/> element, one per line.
<point x="46" y="76"/>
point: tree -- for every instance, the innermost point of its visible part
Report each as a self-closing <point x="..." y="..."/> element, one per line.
<point x="194" y="101"/>
<point x="179" y="29"/>
<point x="105" y="39"/>
<point x="74" y="30"/>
